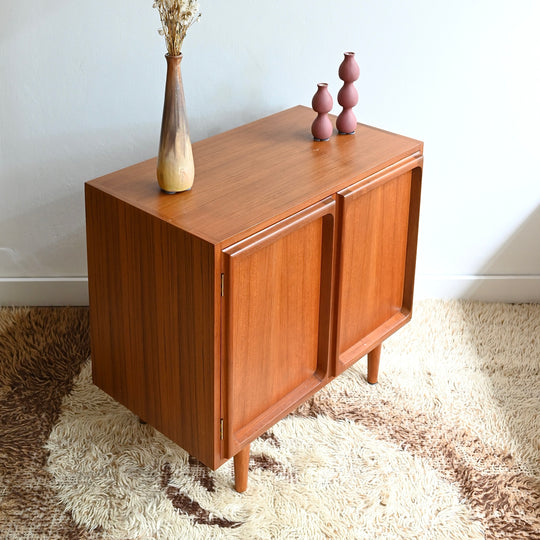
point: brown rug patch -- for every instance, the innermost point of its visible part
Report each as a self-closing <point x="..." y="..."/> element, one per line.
<point x="202" y="473"/>
<point x="41" y="351"/>
<point x="265" y="462"/>
<point x="184" y="504"/>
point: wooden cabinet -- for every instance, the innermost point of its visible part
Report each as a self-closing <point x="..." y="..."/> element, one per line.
<point x="215" y="312"/>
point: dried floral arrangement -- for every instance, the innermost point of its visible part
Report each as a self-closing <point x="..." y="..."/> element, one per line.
<point x="176" y="18"/>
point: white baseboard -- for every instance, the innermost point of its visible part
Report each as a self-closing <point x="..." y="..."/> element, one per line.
<point x="491" y="288"/>
<point x="62" y="291"/>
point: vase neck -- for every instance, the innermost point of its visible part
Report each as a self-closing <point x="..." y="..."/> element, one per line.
<point x="173" y="60"/>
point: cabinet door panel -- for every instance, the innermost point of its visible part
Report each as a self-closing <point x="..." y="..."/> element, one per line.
<point x="277" y="306"/>
<point x="378" y="231"/>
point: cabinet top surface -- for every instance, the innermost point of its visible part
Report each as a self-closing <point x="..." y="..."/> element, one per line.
<point x="253" y="175"/>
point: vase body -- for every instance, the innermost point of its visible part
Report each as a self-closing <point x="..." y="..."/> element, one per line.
<point x="349" y="71"/>
<point x="175" y="166"/>
<point x="322" y="103"/>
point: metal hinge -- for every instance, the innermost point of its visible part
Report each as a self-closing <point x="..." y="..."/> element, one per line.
<point x="221" y="428"/>
<point x="222" y="284"/>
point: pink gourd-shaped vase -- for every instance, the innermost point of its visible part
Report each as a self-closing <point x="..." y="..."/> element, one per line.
<point x="322" y="104"/>
<point x="349" y="71"/>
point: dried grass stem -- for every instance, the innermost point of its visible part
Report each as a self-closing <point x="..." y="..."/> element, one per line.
<point x="176" y="16"/>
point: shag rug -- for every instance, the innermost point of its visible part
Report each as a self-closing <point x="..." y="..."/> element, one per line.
<point x="446" y="446"/>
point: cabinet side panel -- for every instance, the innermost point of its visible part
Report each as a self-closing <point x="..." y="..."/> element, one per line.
<point x="151" y="288"/>
<point x="373" y="258"/>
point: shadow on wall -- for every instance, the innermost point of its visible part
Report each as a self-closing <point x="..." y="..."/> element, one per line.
<point x="46" y="240"/>
<point x="512" y="274"/>
<point x="42" y="227"/>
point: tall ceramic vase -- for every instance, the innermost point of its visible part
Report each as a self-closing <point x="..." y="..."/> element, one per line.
<point x="175" y="166"/>
<point x="349" y="71"/>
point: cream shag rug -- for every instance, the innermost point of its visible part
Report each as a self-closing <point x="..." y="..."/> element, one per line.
<point x="446" y="446"/>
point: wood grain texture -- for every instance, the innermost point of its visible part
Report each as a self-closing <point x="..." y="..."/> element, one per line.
<point x="277" y="295"/>
<point x="378" y="226"/>
<point x="256" y="175"/>
<point x="151" y="289"/>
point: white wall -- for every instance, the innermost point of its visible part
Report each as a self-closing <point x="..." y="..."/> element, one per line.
<point x="81" y="93"/>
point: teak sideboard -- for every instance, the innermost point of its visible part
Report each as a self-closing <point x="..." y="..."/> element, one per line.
<point x="215" y="312"/>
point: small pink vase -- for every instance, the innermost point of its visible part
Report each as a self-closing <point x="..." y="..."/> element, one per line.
<point x="349" y="71"/>
<point x="322" y="104"/>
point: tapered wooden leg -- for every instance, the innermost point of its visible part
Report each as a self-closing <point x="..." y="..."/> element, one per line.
<point x="241" y="468"/>
<point x="373" y="365"/>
